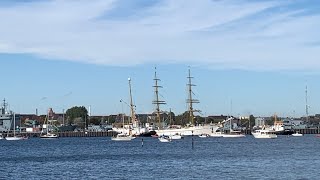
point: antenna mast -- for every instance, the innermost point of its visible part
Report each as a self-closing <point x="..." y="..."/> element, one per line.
<point x="157" y="101"/>
<point x="190" y="100"/>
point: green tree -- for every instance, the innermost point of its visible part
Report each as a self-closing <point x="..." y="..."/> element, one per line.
<point x="77" y="112"/>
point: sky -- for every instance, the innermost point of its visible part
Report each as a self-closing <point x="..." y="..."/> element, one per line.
<point x="246" y="56"/>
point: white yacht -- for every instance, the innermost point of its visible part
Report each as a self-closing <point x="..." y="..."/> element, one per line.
<point x="264" y="133"/>
<point x="122" y="137"/>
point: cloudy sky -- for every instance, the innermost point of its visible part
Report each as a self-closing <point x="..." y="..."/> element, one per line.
<point x="257" y="54"/>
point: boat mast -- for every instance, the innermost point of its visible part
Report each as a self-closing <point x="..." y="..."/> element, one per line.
<point x="190" y="100"/>
<point x="157" y="102"/>
<point x="14" y="124"/>
<point x="307" y="107"/>
<point x="132" y="113"/>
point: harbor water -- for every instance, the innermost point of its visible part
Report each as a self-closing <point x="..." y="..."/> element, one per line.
<point x="209" y="158"/>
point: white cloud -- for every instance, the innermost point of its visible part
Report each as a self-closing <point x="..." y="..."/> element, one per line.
<point x="227" y="34"/>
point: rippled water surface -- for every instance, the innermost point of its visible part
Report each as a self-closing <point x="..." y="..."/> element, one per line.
<point x="210" y="158"/>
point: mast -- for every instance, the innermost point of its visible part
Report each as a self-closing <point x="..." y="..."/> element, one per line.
<point x="157" y="101"/>
<point x="190" y="100"/>
<point x="307" y="107"/>
<point x="132" y="113"/>
<point x="14" y="124"/>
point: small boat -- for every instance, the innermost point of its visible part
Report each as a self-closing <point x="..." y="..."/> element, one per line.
<point x="1" y="136"/>
<point x="49" y="136"/>
<point x="16" y="138"/>
<point x="164" y="138"/>
<point x="233" y="134"/>
<point x="203" y="135"/>
<point x="264" y="133"/>
<point x="122" y="137"/>
<point x="176" y="136"/>
<point x="297" y="134"/>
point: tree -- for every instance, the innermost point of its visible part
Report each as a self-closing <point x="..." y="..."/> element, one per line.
<point x="77" y="112"/>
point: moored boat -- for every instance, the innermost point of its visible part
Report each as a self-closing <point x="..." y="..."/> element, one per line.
<point x="164" y="138"/>
<point x="122" y="137"/>
<point x="49" y="136"/>
<point x="264" y="133"/>
<point x="297" y="134"/>
<point x="203" y="136"/>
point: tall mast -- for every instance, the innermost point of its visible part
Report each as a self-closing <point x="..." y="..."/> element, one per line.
<point x="157" y="101"/>
<point x="190" y="100"/>
<point x="307" y="107"/>
<point x="132" y="113"/>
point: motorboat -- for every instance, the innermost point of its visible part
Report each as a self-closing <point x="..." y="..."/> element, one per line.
<point x="264" y="133"/>
<point x="49" y="136"/>
<point x="176" y="136"/>
<point x="203" y="135"/>
<point x="122" y="137"/>
<point x="297" y="134"/>
<point x="164" y="138"/>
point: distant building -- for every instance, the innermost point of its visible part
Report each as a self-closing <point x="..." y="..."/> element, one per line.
<point x="260" y="122"/>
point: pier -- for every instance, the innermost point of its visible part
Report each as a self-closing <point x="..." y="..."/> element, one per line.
<point x="72" y="134"/>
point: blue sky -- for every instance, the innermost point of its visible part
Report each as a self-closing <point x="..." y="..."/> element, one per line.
<point x="258" y="54"/>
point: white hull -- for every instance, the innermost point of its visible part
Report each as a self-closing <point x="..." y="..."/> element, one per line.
<point x="175" y="137"/>
<point x="264" y="134"/>
<point x="122" y="137"/>
<point x="297" y="135"/>
<point x="216" y="135"/>
<point x="15" y="138"/>
<point x="233" y="135"/>
<point x="49" y="136"/>
<point x="162" y="139"/>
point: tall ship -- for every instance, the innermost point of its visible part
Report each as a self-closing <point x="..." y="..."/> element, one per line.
<point x="192" y="128"/>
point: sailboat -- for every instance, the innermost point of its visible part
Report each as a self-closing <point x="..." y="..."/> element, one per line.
<point x="127" y="136"/>
<point x="14" y="137"/>
<point x="232" y="133"/>
<point x="48" y="135"/>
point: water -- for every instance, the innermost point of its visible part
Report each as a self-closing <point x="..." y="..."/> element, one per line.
<point x="211" y="158"/>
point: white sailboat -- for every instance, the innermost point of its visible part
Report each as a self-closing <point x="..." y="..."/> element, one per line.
<point x="14" y="137"/>
<point x="48" y="135"/>
<point x="124" y="136"/>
